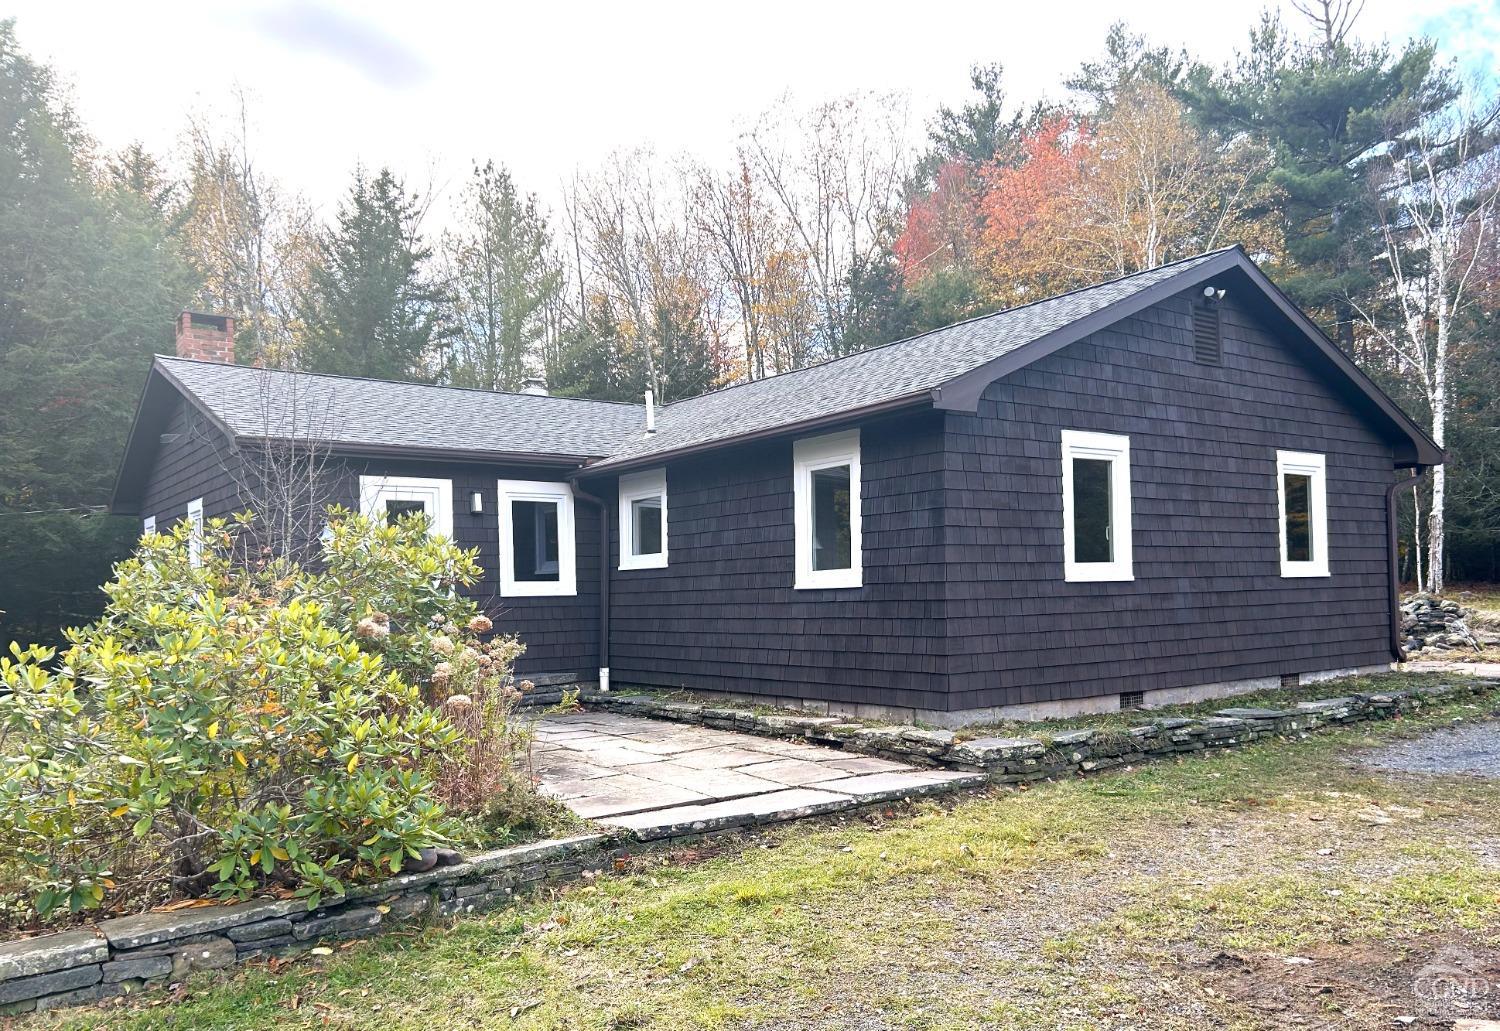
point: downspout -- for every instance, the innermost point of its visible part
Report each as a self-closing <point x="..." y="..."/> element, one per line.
<point x="1392" y="546"/>
<point x="583" y="495"/>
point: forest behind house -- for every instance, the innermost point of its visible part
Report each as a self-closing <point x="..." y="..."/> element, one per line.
<point x="1363" y="176"/>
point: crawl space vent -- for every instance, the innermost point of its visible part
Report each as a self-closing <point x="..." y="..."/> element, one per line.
<point x="1132" y="699"/>
<point x="1208" y="341"/>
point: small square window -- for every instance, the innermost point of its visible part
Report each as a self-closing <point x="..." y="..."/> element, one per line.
<point x="643" y="520"/>
<point x="1096" y="507"/>
<point x="1302" y="513"/>
<point x="389" y="498"/>
<point x="826" y="508"/>
<point x="537" y="556"/>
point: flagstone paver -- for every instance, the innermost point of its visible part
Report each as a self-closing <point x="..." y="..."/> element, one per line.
<point x="659" y="779"/>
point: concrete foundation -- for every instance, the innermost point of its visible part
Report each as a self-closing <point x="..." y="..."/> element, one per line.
<point x="954" y="720"/>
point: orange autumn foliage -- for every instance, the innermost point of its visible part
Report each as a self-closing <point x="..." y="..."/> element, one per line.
<point x="1028" y="244"/>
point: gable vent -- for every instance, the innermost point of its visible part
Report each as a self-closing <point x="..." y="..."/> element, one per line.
<point x="1208" y="342"/>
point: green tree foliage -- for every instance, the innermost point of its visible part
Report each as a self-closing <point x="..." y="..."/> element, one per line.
<point x="89" y="284"/>
<point x="1129" y="61"/>
<point x="978" y="132"/>
<point x="880" y="308"/>
<point x="370" y="307"/>
<point x="1327" y="108"/>
<point x="502" y="278"/>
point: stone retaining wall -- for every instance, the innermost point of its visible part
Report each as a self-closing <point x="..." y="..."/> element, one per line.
<point x="1008" y="760"/>
<point x="127" y="954"/>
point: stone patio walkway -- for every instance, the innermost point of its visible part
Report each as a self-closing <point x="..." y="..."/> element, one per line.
<point x="660" y="779"/>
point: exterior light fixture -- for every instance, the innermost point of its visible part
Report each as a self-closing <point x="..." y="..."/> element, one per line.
<point x="476" y="503"/>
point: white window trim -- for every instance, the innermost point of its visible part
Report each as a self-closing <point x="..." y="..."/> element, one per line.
<point x="437" y="495"/>
<point x="638" y="487"/>
<point x="195" y="532"/>
<point x="808" y="456"/>
<point x="1115" y="450"/>
<point x="148" y="525"/>
<point x="566" y="583"/>
<point x="1315" y="467"/>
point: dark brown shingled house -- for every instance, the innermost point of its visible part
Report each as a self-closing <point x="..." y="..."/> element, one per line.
<point x="1167" y="486"/>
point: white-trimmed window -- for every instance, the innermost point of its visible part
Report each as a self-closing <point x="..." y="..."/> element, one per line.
<point x="537" y="554"/>
<point x="643" y="520"/>
<point x="1302" y="512"/>
<point x="195" y="532"/>
<point x="826" y="511"/>
<point x="1096" y="507"/>
<point x="391" y="497"/>
<point x="148" y="525"/>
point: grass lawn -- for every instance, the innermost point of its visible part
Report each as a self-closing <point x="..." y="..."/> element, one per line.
<point x="1170" y="896"/>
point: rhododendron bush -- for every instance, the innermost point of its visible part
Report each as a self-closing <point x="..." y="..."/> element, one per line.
<point x="243" y="724"/>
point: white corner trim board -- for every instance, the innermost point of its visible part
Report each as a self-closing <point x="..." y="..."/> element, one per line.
<point x="435" y="497"/>
<point x="1315" y="468"/>
<point x="1100" y="447"/>
<point x="642" y="487"/>
<point x="544" y="576"/>
<point x="810" y="456"/>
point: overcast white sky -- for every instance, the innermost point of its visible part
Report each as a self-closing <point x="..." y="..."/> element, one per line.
<point x="548" y="88"/>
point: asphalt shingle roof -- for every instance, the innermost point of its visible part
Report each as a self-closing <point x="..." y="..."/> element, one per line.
<point x="352" y="412"/>
<point x="342" y="410"/>
<point x="888" y="373"/>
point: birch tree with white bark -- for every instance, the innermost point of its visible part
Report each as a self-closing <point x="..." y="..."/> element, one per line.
<point x="1436" y="201"/>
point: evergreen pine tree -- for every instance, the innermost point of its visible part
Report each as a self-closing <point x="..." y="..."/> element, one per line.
<point x="1327" y="109"/>
<point x="370" y="308"/>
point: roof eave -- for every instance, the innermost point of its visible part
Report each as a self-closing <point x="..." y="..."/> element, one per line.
<point x="611" y="466"/>
<point x="125" y="498"/>
<point x="418" y="452"/>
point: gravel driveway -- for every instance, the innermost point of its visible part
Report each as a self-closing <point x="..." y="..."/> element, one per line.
<point x="1472" y="749"/>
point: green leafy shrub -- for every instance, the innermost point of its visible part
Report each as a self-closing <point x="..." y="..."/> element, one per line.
<point x="239" y="725"/>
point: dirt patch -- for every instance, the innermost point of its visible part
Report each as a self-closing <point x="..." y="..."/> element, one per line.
<point x="1428" y="983"/>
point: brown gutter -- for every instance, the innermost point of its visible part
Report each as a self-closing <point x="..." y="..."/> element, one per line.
<point x="1397" y="652"/>
<point x="584" y="495"/>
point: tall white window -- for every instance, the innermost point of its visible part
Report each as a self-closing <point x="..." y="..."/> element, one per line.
<point x="826" y="511"/>
<point x="643" y="520"/>
<point x="195" y="532"/>
<point x="389" y="498"/>
<point x="1096" y="507"/>
<point x="1302" y="502"/>
<point x="537" y="554"/>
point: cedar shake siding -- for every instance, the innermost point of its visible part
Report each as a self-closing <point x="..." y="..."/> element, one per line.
<point x="724" y="616"/>
<point x="195" y="461"/>
<point x="1208" y="603"/>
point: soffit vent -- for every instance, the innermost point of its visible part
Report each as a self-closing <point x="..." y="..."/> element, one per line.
<point x="1208" y="341"/>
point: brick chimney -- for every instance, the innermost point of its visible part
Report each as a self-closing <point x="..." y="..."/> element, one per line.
<point x="207" y="338"/>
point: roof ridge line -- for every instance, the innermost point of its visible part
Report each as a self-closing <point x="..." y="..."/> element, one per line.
<point x="395" y="382"/>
